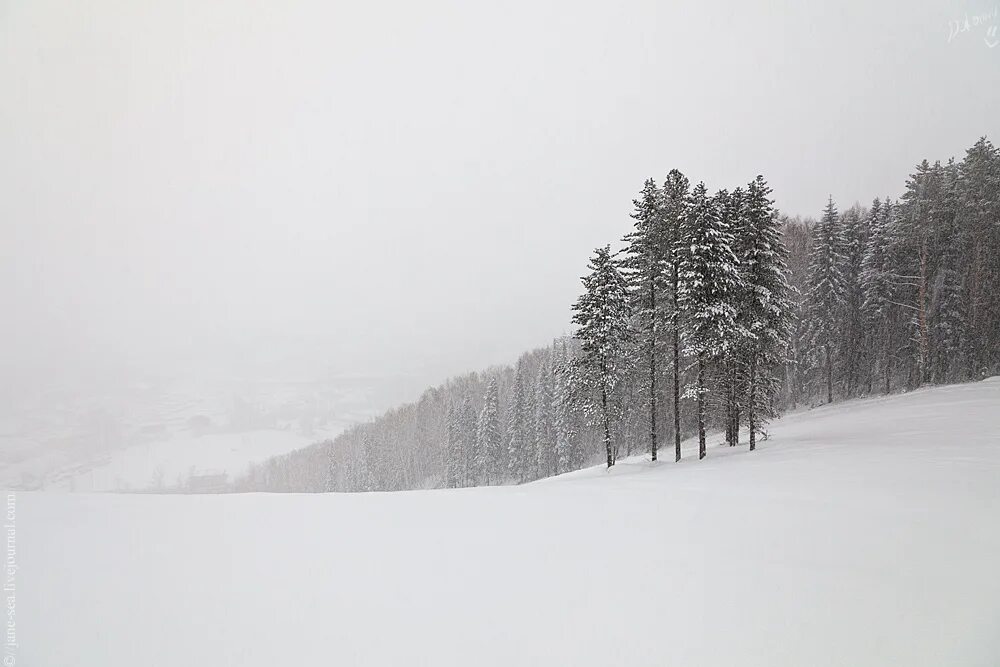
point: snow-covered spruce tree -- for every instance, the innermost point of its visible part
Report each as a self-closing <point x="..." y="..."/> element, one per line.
<point x="708" y="280"/>
<point x="918" y="216"/>
<point x="877" y="282"/>
<point x="796" y="235"/>
<point x="528" y="455"/>
<point x="645" y="263"/>
<point x="520" y="443"/>
<point x="854" y="344"/>
<point x="675" y="203"/>
<point x="947" y="319"/>
<point x="825" y="300"/>
<point x="602" y="316"/>
<point x="730" y="372"/>
<point x="928" y="223"/>
<point x="568" y="455"/>
<point x="461" y="446"/>
<point x="545" y="453"/>
<point x="765" y="311"/>
<point x="489" y="446"/>
<point x="978" y="202"/>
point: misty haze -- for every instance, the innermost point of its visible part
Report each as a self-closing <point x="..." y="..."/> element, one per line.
<point x="458" y="333"/>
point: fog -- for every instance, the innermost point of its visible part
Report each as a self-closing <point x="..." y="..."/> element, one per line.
<point x="403" y="188"/>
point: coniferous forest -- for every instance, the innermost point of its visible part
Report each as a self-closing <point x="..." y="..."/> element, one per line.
<point x="713" y="314"/>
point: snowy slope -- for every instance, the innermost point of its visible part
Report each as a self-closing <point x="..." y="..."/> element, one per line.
<point x="866" y="533"/>
<point x="168" y="462"/>
<point x="109" y="434"/>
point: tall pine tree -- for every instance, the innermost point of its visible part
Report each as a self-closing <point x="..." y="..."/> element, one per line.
<point x="708" y="280"/>
<point x="489" y="443"/>
<point x="645" y="261"/>
<point x="878" y="308"/>
<point x="765" y="308"/>
<point x="602" y="316"/>
<point x="825" y="300"/>
<point x="676" y="202"/>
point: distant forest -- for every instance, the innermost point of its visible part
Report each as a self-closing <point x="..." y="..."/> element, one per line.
<point x="716" y="314"/>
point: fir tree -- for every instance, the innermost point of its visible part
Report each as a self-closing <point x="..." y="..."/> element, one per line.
<point x="877" y="284"/>
<point x="825" y="300"/>
<point x="567" y="456"/>
<point x="947" y="320"/>
<point x="469" y="423"/>
<point x="645" y="261"/>
<point x="732" y="365"/>
<point x="545" y="459"/>
<point x="978" y="240"/>
<point x="766" y="308"/>
<point x="708" y="280"/>
<point x="676" y="201"/>
<point x="601" y="314"/>
<point x="855" y="226"/>
<point x="489" y="445"/>
<point x="917" y="218"/>
<point x="520" y="442"/>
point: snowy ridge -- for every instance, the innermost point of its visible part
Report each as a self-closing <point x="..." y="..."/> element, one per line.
<point x="861" y="533"/>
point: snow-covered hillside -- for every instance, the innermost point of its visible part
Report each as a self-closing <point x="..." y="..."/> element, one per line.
<point x="864" y="533"/>
<point x="122" y="435"/>
<point x="169" y="463"/>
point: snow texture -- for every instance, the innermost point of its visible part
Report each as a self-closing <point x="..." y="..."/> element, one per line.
<point x="862" y="533"/>
<point x="171" y="462"/>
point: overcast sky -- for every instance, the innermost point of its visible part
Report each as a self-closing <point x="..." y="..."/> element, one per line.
<point x="416" y="186"/>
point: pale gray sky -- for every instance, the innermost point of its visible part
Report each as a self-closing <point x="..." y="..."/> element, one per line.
<point x="417" y="185"/>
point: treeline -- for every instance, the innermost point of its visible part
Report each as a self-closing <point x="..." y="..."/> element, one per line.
<point x="466" y="432"/>
<point x="905" y="292"/>
<point x="715" y="312"/>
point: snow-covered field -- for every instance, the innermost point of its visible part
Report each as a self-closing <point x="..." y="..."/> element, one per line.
<point x="866" y="533"/>
<point x="130" y="435"/>
<point x="170" y="462"/>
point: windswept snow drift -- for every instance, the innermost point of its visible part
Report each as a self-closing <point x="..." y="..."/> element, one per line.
<point x="866" y="533"/>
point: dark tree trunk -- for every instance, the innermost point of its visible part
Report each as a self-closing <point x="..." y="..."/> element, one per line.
<point x="887" y="350"/>
<point x="851" y="363"/>
<point x="752" y="405"/>
<point x="677" y="370"/>
<point x="829" y="374"/>
<point x="465" y="466"/>
<point x="922" y="316"/>
<point x="729" y="416"/>
<point x="730" y="406"/>
<point x="652" y="369"/>
<point x="701" y="406"/>
<point x="607" y="426"/>
<point x="736" y="424"/>
<point x="736" y="407"/>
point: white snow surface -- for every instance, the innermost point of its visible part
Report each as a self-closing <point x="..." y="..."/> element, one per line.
<point x="863" y="533"/>
<point x="171" y="461"/>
